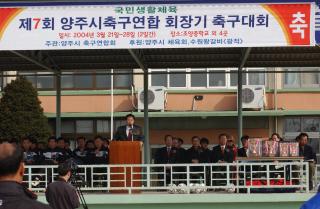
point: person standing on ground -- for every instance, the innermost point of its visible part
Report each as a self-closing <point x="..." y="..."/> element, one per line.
<point x="13" y="195"/>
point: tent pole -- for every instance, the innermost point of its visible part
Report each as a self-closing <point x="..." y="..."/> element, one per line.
<point x="138" y="56"/>
<point x="111" y="116"/>
<point x="244" y="56"/>
<point x="58" y="104"/>
<point x="240" y="116"/>
<point x="146" y="117"/>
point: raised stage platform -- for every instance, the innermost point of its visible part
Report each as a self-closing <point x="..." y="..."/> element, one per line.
<point x="195" y="201"/>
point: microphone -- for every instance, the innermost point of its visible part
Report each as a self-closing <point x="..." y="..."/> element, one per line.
<point x="131" y="132"/>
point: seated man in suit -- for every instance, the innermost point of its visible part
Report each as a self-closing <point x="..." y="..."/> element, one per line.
<point x="205" y="157"/>
<point x="194" y="151"/>
<point x="166" y="155"/>
<point x="129" y="132"/>
<point x="221" y="154"/>
<point x="242" y="152"/>
<point x="205" y="152"/>
<point x="194" y="157"/>
<point x="182" y="155"/>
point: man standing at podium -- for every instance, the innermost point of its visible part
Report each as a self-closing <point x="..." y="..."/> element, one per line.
<point x="129" y="132"/>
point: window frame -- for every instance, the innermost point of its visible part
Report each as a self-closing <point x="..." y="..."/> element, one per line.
<point x="53" y="81"/>
<point x="301" y="84"/>
<point x="226" y="78"/>
<point x="79" y="74"/>
<point x="36" y="75"/>
<point x="1" y="81"/>
<point x="123" y="87"/>
<point x="70" y="73"/>
<point x="87" y="120"/>
<point x="157" y="70"/>
<point x="207" y="70"/>
<point x="187" y="84"/>
<point x="291" y="135"/>
<point x="96" y="126"/>
<point x="256" y="69"/>
<point x="189" y="81"/>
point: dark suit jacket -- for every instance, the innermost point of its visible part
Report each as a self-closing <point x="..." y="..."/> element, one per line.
<point x="193" y="154"/>
<point x="162" y="156"/>
<point x="217" y="154"/>
<point x="182" y="156"/>
<point x="121" y="134"/>
<point x="242" y="152"/>
<point x="205" y="156"/>
<point x="307" y="152"/>
<point x="15" y="195"/>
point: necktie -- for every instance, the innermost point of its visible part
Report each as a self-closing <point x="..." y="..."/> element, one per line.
<point x="168" y="151"/>
<point x="222" y="150"/>
<point x="130" y="134"/>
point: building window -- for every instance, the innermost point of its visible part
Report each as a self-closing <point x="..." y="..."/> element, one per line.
<point x="177" y="80"/>
<point x="298" y="80"/>
<point x="80" y="80"/>
<point x="217" y="79"/>
<point x="30" y="76"/>
<point x="67" y="127"/>
<point x="310" y="79"/>
<point x="84" y="126"/>
<point x="45" y="81"/>
<point x="291" y="79"/>
<point x="198" y="78"/>
<point x="1" y="81"/>
<point x="40" y="80"/>
<point x="294" y="125"/>
<point x="256" y="78"/>
<point x="83" y="81"/>
<point x="123" y="81"/>
<point x="67" y="81"/>
<point x="159" y="79"/>
<point x="206" y="78"/>
<point x="103" y="81"/>
<point x="103" y="126"/>
<point x="234" y="78"/>
<point x="89" y="128"/>
<point x="311" y="125"/>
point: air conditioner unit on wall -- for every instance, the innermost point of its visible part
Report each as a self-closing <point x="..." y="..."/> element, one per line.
<point x="156" y="98"/>
<point x="253" y="97"/>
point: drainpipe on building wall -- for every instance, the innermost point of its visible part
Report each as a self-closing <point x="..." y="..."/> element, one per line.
<point x="58" y="103"/>
<point x="275" y="92"/>
<point x="111" y="115"/>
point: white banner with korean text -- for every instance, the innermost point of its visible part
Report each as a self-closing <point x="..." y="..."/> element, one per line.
<point x="157" y="26"/>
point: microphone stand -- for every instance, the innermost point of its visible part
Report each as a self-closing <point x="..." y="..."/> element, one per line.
<point x="132" y="133"/>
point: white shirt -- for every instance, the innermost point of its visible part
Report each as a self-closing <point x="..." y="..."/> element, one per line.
<point x="128" y="129"/>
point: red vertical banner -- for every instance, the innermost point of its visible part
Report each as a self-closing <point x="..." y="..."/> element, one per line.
<point x="294" y="20"/>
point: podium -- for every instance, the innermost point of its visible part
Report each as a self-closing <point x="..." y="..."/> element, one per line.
<point x="125" y="152"/>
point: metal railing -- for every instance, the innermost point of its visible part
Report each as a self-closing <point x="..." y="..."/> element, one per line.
<point x="180" y="178"/>
<point x="317" y="177"/>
